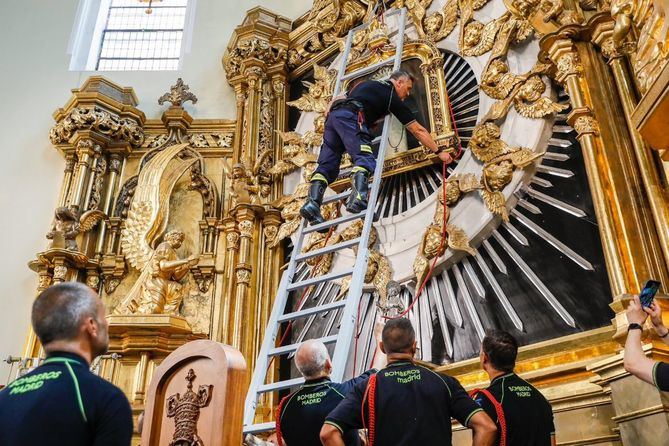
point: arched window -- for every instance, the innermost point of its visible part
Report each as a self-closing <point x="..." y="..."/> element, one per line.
<point x="130" y="34"/>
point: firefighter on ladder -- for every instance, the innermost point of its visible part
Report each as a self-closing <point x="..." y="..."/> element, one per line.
<point x="346" y="129"/>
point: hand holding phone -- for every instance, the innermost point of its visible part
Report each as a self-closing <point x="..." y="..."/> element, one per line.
<point x="648" y="293"/>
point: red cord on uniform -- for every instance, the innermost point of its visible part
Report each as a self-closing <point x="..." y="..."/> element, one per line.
<point x="499" y="410"/>
<point x="370" y="398"/>
<point x="282" y="403"/>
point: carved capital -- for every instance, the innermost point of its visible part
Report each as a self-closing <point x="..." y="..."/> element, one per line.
<point x="255" y="51"/>
<point x="568" y="64"/>
<point x="562" y="53"/>
<point x="59" y="273"/>
<point x="586" y="125"/>
<point x="86" y="148"/>
<point x="232" y="239"/>
<point x="243" y="273"/>
<point x="44" y="281"/>
<point x="70" y="161"/>
<point x="115" y="163"/>
<point x="246" y="228"/>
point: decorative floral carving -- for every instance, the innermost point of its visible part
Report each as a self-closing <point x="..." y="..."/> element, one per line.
<point x="178" y="95"/>
<point x="99" y="120"/>
<point x="93" y="281"/>
<point x="111" y="284"/>
<point x="233" y="240"/>
<point x="59" y="273"/>
<point x="44" y="281"/>
<point x="245" y="228"/>
<point x="202" y="184"/>
<point x="243" y="274"/>
<point x="568" y="64"/>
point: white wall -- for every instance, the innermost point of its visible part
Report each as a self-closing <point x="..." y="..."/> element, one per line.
<point x="35" y="81"/>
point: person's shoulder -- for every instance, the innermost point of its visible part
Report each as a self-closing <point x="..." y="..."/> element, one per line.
<point x="102" y="387"/>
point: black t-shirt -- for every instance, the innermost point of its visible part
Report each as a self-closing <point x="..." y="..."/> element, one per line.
<point x="529" y="417"/>
<point x="661" y="376"/>
<point x="414" y="406"/>
<point x="378" y="99"/>
<point x="305" y="410"/>
<point x="62" y="403"/>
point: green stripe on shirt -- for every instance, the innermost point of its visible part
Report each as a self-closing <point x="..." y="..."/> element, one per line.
<point x="471" y="415"/>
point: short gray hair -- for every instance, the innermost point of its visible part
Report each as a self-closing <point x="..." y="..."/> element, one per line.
<point x="401" y="74"/>
<point x="311" y="357"/>
<point x="59" y="311"/>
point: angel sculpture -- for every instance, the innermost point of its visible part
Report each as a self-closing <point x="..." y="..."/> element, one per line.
<point x="161" y="292"/>
<point x="392" y="306"/>
<point x="500" y="161"/>
<point x="318" y="94"/>
<point x="244" y="185"/>
<point x="431" y="244"/>
<point x="296" y="151"/>
<point x="67" y="225"/>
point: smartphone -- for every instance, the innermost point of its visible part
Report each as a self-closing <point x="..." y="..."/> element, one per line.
<point x="648" y="293"/>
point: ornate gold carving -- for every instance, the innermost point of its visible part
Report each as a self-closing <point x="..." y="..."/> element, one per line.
<point x="254" y="48"/>
<point x="178" y="95"/>
<point x="202" y="184"/>
<point x="568" y="64"/>
<point x="186" y="410"/>
<point x="271" y="232"/>
<point x="98" y="182"/>
<point x="586" y="125"/>
<point x="158" y="289"/>
<point x="244" y="185"/>
<point x="99" y="120"/>
<point x="296" y="151"/>
<point x="334" y="18"/>
<point x="319" y="93"/>
<point x="93" y="281"/>
<point x="67" y="225"/>
<point x="44" y="281"/>
<point x="265" y="131"/>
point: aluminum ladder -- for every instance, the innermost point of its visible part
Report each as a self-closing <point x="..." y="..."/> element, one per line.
<point x="343" y="339"/>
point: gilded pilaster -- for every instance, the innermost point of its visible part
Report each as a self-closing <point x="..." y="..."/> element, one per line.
<point x="70" y="162"/>
<point x="87" y="151"/>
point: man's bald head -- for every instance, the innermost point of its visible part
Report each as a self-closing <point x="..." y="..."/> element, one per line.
<point x="398" y="336"/>
<point x="313" y="360"/>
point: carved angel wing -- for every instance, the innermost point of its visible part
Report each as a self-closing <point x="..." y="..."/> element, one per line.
<point x="502" y="88"/>
<point x="149" y="209"/>
<point x="538" y="109"/>
<point x="449" y="18"/>
<point x="468" y="182"/>
<point x="285" y="230"/>
<point x="91" y="218"/>
<point x="303" y="158"/>
<point x="289" y="137"/>
<point x="499" y="109"/>
<point x="458" y="240"/>
<point x="282" y="167"/>
<point x="523" y="157"/>
<point x="496" y="203"/>
<point x="420" y="266"/>
<point x="259" y="161"/>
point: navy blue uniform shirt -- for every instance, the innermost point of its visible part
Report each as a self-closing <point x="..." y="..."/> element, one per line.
<point x="661" y="376"/>
<point x="529" y="416"/>
<point x="414" y="406"/>
<point x="378" y="99"/>
<point x="62" y="402"/>
<point x="304" y="412"/>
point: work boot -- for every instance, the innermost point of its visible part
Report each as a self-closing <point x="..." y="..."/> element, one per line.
<point x="357" y="201"/>
<point x="311" y="209"/>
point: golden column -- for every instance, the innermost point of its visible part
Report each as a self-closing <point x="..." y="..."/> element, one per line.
<point x="618" y="184"/>
<point x="255" y="66"/>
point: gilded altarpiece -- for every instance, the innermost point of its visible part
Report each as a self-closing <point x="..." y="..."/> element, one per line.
<point x="182" y="224"/>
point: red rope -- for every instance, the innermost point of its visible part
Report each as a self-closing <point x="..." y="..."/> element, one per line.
<point x="370" y="398"/>
<point x="444" y="217"/>
<point x="501" y="418"/>
<point x="277" y="417"/>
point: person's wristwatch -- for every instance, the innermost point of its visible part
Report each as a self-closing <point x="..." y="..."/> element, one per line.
<point x="634" y="326"/>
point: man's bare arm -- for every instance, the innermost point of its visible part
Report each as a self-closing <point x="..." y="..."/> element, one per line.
<point x="635" y="360"/>
<point x="485" y="431"/>
<point x="426" y="139"/>
<point x="330" y="436"/>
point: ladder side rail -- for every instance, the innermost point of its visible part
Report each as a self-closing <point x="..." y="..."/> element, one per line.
<point x="347" y="324"/>
<point x="262" y="362"/>
<point x="343" y="64"/>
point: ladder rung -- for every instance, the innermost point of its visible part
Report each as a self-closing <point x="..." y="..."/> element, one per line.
<point x="328" y="249"/>
<point x="292" y="347"/>
<point x="260" y="427"/>
<point x="336" y="197"/>
<point x="319" y="279"/>
<point x="313" y="310"/>
<point x="369" y="69"/>
<point x="335" y="222"/>
<point x="272" y="387"/>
